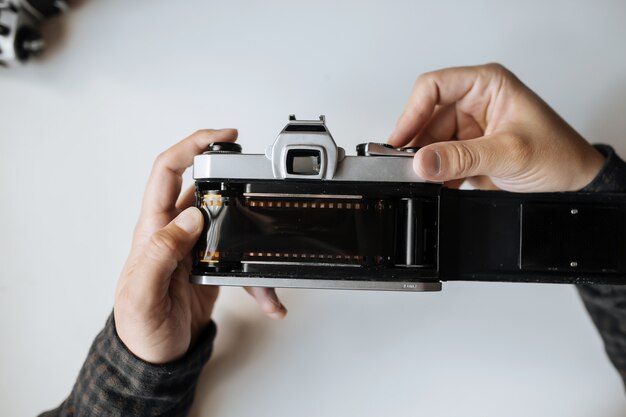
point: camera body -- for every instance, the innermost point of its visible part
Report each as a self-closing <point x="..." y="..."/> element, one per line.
<point x="20" y="22"/>
<point x="307" y="215"/>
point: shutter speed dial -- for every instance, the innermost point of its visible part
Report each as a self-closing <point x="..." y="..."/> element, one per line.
<point x="223" y="147"/>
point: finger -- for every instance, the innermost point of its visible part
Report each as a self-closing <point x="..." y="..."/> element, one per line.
<point x="268" y="301"/>
<point x="499" y="156"/>
<point x="438" y="87"/>
<point x="466" y="126"/>
<point x="155" y="262"/>
<point x="440" y="127"/>
<point x="206" y="296"/>
<point x="187" y="199"/>
<point x="165" y="180"/>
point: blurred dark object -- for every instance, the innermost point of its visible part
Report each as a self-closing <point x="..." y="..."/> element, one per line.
<point x="20" y="20"/>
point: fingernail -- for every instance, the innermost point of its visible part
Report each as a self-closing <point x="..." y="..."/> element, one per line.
<point x="429" y="162"/>
<point x="189" y="220"/>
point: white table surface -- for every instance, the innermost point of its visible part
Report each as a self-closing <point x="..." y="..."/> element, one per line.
<point x="124" y="80"/>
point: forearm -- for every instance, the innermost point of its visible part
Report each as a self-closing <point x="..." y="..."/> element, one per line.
<point x="113" y="382"/>
<point x="606" y="304"/>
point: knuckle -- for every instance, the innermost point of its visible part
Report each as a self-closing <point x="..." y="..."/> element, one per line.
<point x="497" y="71"/>
<point x="420" y="79"/>
<point x="424" y="79"/>
<point x="161" y="159"/>
<point x="497" y="68"/>
<point x="429" y="82"/>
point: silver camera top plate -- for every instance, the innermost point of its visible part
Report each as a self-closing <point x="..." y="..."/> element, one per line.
<point x="306" y="150"/>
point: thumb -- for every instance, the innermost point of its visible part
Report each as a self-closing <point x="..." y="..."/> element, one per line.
<point x="496" y="156"/>
<point x="167" y="247"/>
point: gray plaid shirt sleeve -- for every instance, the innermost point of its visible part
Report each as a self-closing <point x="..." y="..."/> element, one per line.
<point x="113" y="382"/>
<point x="606" y="304"/>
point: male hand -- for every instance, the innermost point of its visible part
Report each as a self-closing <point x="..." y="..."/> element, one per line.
<point x="158" y="312"/>
<point x="483" y="124"/>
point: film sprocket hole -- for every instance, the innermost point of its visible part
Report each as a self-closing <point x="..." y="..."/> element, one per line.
<point x="307" y="215"/>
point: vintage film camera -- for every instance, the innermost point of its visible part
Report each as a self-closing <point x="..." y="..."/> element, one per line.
<point x="306" y="215"/>
<point x="20" y="21"/>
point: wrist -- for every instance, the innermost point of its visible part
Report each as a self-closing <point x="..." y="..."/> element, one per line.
<point x="202" y="346"/>
<point x="115" y="380"/>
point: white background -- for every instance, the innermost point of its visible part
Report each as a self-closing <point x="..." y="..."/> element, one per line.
<point x="123" y="80"/>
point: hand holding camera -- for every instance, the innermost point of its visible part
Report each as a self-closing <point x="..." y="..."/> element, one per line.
<point x="158" y="312"/>
<point x="483" y="124"/>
